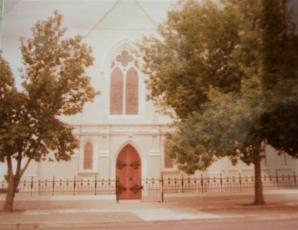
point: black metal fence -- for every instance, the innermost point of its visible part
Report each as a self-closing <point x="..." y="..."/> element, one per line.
<point x="225" y="184"/>
<point x="153" y="187"/>
<point x="73" y="186"/>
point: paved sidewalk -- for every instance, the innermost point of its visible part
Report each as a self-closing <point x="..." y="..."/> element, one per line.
<point x="39" y="213"/>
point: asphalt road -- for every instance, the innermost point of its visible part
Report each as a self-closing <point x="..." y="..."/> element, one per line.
<point x="236" y="224"/>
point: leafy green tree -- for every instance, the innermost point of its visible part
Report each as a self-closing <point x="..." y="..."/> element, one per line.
<point x="207" y="53"/>
<point x="280" y="75"/>
<point x="210" y="66"/>
<point x="197" y="47"/>
<point x="54" y="85"/>
<point x="228" y="126"/>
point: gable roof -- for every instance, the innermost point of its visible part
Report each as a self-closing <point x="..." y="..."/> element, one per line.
<point x="120" y="6"/>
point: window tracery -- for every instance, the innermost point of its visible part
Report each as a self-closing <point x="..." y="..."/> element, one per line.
<point x="124" y="91"/>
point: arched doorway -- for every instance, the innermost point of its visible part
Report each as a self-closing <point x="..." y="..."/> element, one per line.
<point x="128" y="174"/>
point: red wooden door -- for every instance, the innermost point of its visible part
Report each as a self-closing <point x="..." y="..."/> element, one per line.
<point x="128" y="173"/>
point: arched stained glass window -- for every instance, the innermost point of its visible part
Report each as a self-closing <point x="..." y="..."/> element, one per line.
<point x="124" y="93"/>
<point x="116" y="99"/>
<point x="88" y="156"/>
<point x="132" y="91"/>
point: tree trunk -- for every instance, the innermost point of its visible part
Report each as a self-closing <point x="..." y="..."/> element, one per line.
<point x="11" y="191"/>
<point x="13" y="181"/>
<point x="259" y="197"/>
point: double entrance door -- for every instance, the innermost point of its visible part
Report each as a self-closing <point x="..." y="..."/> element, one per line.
<point x="128" y="174"/>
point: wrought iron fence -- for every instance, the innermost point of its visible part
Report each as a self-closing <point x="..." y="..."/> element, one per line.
<point x="75" y="186"/>
<point x="225" y="184"/>
<point x="153" y="187"/>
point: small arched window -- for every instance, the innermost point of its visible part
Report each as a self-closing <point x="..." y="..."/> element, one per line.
<point x="124" y="88"/>
<point x="88" y="156"/>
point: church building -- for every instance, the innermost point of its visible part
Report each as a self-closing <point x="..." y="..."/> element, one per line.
<point x="121" y="134"/>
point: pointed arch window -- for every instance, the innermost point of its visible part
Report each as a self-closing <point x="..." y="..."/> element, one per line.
<point x="124" y="87"/>
<point x="116" y="91"/>
<point x="132" y="92"/>
<point x="88" y="156"/>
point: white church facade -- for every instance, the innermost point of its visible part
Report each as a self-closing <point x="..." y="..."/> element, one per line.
<point x="120" y="128"/>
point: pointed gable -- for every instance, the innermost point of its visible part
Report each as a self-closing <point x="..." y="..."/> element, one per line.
<point x="125" y="15"/>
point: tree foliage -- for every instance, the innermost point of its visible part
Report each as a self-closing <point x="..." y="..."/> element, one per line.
<point x="229" y="74"/>
<point x="223" y="43"/>
<point x="280" y="75"/>
<point x="226" y="127"/>
<point x="183" y="61"/>
<point x="54" y="85"/>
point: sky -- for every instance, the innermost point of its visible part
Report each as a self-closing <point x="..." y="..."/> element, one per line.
<point x="1" y="10"/>
<point x="78" y="16"/>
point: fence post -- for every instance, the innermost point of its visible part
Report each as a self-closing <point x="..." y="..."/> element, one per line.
<point x="117" y="190"/>
<point x="202" y="183"/>
<point x="182" y="184"/>
<point x="276" y="173"/>
<point x="161" y="184"/>
<point x="38" y="186"/>
<point x="53" y="186"/>
<point x="220" y="181"/>
<point x="240" y="182"/>
<point x="95" y="185"/>
<point x="31" y="186"/>
<point x="74" y="185"/>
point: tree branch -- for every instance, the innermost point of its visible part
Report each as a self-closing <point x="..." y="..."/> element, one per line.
<point x="19" y="163"/>
<point x="9" y="169"/>
<point x="25" y="167"/>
